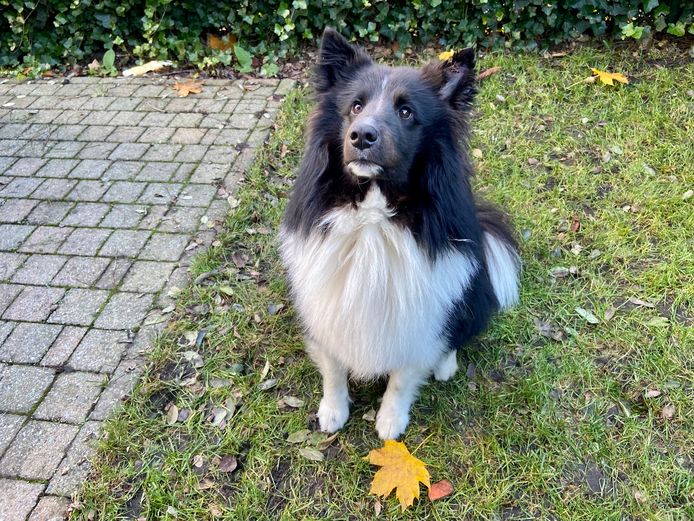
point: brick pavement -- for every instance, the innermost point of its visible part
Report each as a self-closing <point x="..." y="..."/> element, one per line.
<point x="108" y="187"/>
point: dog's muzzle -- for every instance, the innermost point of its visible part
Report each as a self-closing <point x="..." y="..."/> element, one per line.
<point x="364" y="169"/>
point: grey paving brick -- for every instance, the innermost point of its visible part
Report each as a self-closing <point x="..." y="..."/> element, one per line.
<point x="238" y="120"/>
<point x="98" y="105"/>
<point x="28" y="342"/>
<point x="49" y="212"/>
<point x="126" y="134"/>
<point x="65" y="149"/>
<point x="231" y="136"/>
<point x="98" y="116"/>
<point x="153" y="217"/>
<point x="12" y="235"/>
<point x="162" y="152"/>
<point x="156" y="134"/>
<point x="165" y="247"/>
<point x="191" y="153"/>
<point x="70" y="117"/>
<point x="45" y="116"/>
<point x="71" y="397"/>
<point x="188" y="136"/>
<point x="24" y="167"/>
<point x="22" y="386"/>
<point x="250" y="106"/>
<point x="18" y="497"/>
<point x="74" y="469"/>
<point x="157" y="119"/>
<point x="96" y="132"/>
<point x="196" y="195"/>
<point x="84" y="241"/>
<point x="37" y="449"/>
<point x="232" y="92"/>
<point x="6" y="162"/>
<point x="123" y="104"/>
<point x="50" y="508"/>
<point x="119" y="387"/>
<point x="15" y="210"/>
<point x="54" y="189"/>
<point x="209" y="173"/>
<point x="88" y="190"/>
<point x="113" y="274"/>
<point x="97" y="150"/>
<point x="9" y="426"/>
<point x="182" y="220"/>
<point x="11" y="147"/>
<point x="214" y="121"/>
<point x="33" y="304"/>
<point x="37" y="132"/>
<point x="9" y="262"/>
<point x="67" y="132"/>
<point x="124" y="216"/>
<point x="149" y="91"/>
<point x="79" y="306"/>
<point x="68" y="339"/>
<point x="147" y="276"/>
<point x="86" y="214"/>
<point x="122" y="170"/>
<point x="20" y="187"/>
<point x="181" y="105"/>
<point x="124" y="311"/>
<point x="125" y="243"/>
<point x="101" y="350"/>
<point x="160" y="193"/>
<point x="8" y="292"/>
<point x="129" y="151"/>
<point x="45" y="239"/>
<point x="5" y="330"/>
<point x="90" y="169"/>
<point x="157" y="171"/>
<point x="39" y="269"/>
<point x="128" y="118"/>
<point x="81" y="272"/>
<point x="123" y="192"/>
<point x="284" y="87"/>
<point x="57" y="168"/>
<point x="223" y="154"/>
<point x="210" y="106"/>
<point x="189" y="120"/>
<point x="15" y="130"/>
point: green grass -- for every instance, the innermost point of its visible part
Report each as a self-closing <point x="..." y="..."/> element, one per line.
<point x="553" y="429"/>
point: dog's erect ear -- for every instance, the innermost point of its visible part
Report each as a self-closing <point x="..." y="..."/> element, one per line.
<point x="337" y="59"/>
<point x="454" y="79"/>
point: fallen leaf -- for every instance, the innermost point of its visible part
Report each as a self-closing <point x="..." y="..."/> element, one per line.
<point x="215" y="510"/>
<point x="370" y="415"/>
<point x="687" y="195"/>
<point x="152" y="66"/>
<point x="299" y="436"/>
<point x="291" y="401"/>
<point x="228" y="464"/>
<point x="172" y="414"/>
<point x="198" y="460"/>
<point x="311" y="454"/>
<point x="267" y="384"/>
<point x="188" y="87"/>
<point x="668" y="412"/>
<point x="194" y="358"/>
<point x="218" y="416"/>
<point x="486" y="73"/>
<point x="608" y="78"/>
<point x="399" y="470"/>
<point x="653" y="393"/>
<point x="639" y="302"/>
<point x="440" y="489"/>
<point x="658" y="322"/>
<point x="477" y="153"/>
<point x="239" y="259"/>
<point x="446" y="55"/>
<point x="575" y="224"/>
<point x="225" y="43"/>
<point x="588" y="316"/>
<point x="324" y="444"/>
<point x="273" y="309"/>
<point x="609" y="313"/>
<point x="265" y="371"/>
<point x="559" y="272"/>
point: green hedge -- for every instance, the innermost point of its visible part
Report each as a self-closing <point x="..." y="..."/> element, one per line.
<point x="67" y="31"/>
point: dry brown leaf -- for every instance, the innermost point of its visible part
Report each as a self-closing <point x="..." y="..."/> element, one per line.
<point x="188" y="87"/>
<point x="668" y="412"/>
<point x="608" y="78"/>
<point x="152" y="66"/>
<point x="399" y="470"/>
<point x="224" y="43"/>
<point x="228" y="464"/>
<point x="440" y="489"/>
<point x="172" y="415"/>
<point x="446" y="55"/>
<point x="486" y="73"/>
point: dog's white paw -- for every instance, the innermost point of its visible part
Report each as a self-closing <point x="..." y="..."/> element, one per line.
<point x="332" y="415"/>
<point x="446" y="368"/>
<point x="391" y="423"/>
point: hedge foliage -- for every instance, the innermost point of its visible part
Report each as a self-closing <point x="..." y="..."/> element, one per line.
<point x="67" y="31"/>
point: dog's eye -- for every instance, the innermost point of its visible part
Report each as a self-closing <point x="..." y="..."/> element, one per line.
<point x="357" y="107"/>
<point x="405" y="112"/>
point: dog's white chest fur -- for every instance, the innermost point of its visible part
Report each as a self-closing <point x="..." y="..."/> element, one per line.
<point x="368" y="294"/>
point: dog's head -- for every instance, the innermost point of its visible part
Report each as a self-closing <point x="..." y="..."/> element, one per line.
<point x="389" y="115"/>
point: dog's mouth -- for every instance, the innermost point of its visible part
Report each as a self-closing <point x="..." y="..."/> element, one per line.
<point x="364" y="169"/>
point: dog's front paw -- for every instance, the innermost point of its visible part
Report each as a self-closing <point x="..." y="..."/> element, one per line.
<point x="446" y="368"/>
<point x="332" y="415"/>
<point x="391" y="423"/>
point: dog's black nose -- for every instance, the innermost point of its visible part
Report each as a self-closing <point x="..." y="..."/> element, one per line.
<point x="363" y="136"/>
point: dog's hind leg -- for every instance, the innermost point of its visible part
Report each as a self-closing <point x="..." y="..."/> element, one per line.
<point x="334" y="406"/>
<point x="394" y="414"/>
<point x="446" y="367"/>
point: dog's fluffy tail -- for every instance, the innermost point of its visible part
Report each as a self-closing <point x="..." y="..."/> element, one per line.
<point x="501" y="254"/>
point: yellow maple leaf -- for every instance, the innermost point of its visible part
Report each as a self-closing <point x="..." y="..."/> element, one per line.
<point x="608" y="77"/>
<point x="446" y="55"/>
<point x="399" y="470"/>
<point x="188" y="87"/>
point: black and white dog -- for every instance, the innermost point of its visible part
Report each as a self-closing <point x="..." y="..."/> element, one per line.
<point x="392" y="263"/>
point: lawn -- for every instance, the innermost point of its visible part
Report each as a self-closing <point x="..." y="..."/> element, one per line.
<point x="555" y="414"/>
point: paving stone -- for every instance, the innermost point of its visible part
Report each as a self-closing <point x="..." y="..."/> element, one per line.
<point x="128" y="118"/>
<point x="224" y="154"/>
<point x="9" y="262"/>
<point x="96" y="132"/>
<point x="160" y="193"/>
<point x="197" y="195"/>
<point x="45" y="239"/>
<point x="79" y="306"/>
<point x="84" y="241"/>
<point x="114" y="274"/>
<point x="238" y="120"/>
<point x="147" y="276"/>
<point x="33" y="304"/>
<point x="12" y="235"/>
<point x="125" y="243"/>
<point x="124" y="311"/>
<point x="182" y="220"/>
<point x="156" y="135"/>
<point x="7" y="162"/>
<point x="57" y="168"/>
<point x="149" y="91"/>
<point x="20" y="187"/>
<point x="157" y="171"/>
<point x="123" y="192"/>
<point x="215" y="121"/>
<point x="8" y="292"/>
<point x="165" y="247"/>
<point x="81" y="272"/>
<point x="54" y="189"/>
<point x="129" y="151"/>
<point x="18" y="498"/>
<point x="126" y="134"/>
<point x="232" y="92"/>
<point x="71" y="397"/>
<point x="209" y="173"/>
<point x="101" y="350"/>
<point x="11" y="147"/>
<point x="88" y="190"/>
<point x="181" y="105"/>
<point x="49" y="212"/>
<point x="63" y="346"/>
<point x="15" y="130"/>
<point x="15" y="210"/>
<point x="123" y="104"/>
<point x="39" y="269"/>
<point x="50" y="508"/>
<point x="191" y="153"/>
<point x="67" y="132"/>
<point x="231" y="136"/>
<point x="25" y="167"/>
<point x="157" y="119"/>
<point x="90" y="169"/>
<point x="188" y="136"/>
<point x="154" y="216"/>
<point x="70" y="117"/>
<point x="65" y="149"/>
<point x="97" y="150"/>
<point x="124" y="216"/>
<point x="164" y="152"/>
<point x="187" y="119"/>
<point x="28" y="342"/>
<point x="74" y="469"/>
<point x="86" y="214"/>
<point x="284" y="87"/>
<point x="210" y="106"/>
<point x="22" y="386"/>
<point x="122" y="170"/>
<point x="97" y="115"/>
<point x="9" y="426"/>
<point x="250" y="106"/>
<point x="37" y="449"/>
<point x="119" y="387"/>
